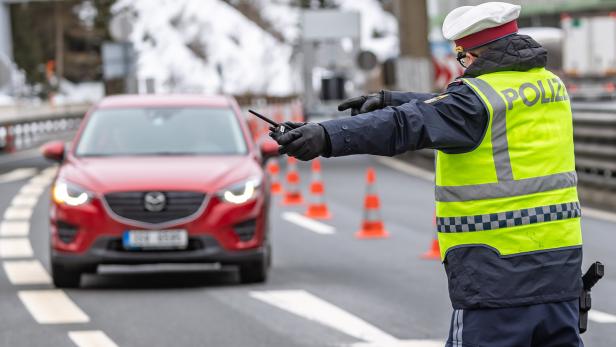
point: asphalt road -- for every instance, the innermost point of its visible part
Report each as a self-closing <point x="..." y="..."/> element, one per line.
<point x="325" y="289"/>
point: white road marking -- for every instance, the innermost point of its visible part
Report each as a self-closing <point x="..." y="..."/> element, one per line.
<point x="52" y="307"/>
<point x="24" y="200"/>
<point x="17" y="174"/>
<point x="23" y="272"/>
<point x="15" y="248"/>
<point x="601" y="317"/>
<point x="13" y="212"/>
<point x="598" y="214"/>
<point x="402" y="343"/>
<point x="30" y="189"/>
<point x="311" y="307"/>
<point x="407" y="168"/>
<point x="41" y="180"/>
<point x="50" y="171"/>
<point x="91" y="338"/>
<point x="14" y="228"/>
<point x="308" y="223"/>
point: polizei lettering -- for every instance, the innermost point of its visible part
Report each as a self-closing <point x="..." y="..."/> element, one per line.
<point x="544" y="91"/>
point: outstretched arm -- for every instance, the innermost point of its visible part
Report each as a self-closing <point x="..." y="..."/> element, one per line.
<point x="454" y="122"/>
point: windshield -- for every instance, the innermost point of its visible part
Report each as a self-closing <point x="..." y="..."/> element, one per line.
<point x="161" y="131"/>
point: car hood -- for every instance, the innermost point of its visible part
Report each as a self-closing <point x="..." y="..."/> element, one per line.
<point x="204" y="173"/>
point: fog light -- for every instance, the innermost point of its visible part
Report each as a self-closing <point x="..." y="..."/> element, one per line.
<point x="66" y="232"/>
<point x="245" y="231"/>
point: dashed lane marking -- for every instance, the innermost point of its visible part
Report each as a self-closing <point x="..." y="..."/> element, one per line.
<point x="52" y="307"/>
<point x="601" y="317"/>
<point x="308" y="223"/>
<point x="306" y="305"/>
<point x="17" y="174"/>
<point x="91" y="338"/>
<point x="31" y="189"/>
<point x="24" y="272"/>
<point x="14" y="212"/>
<point x="24" y="200"/>
<point x="14" y="228"/>
<point x="15" y="248"/>
<point x="43" y="180"/>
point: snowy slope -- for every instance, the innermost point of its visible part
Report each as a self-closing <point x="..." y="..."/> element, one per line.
<point x="207" y="46"/>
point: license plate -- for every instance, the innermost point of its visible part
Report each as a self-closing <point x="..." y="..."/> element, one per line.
<point x="155" y="239"/>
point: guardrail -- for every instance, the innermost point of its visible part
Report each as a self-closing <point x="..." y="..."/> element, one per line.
<point x="27" y="126"/>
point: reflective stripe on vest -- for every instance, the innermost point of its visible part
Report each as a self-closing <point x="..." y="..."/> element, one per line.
<point x="486" y="204"/>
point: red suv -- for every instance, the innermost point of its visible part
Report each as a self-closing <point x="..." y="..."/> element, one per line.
<point x="160" y="179"/>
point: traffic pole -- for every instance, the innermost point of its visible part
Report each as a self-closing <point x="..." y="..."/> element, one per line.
<point x="317" y="209"/>
<point x="273" y="168"/>
<point x="372" y="226"/>
<point x="293" y="193"/>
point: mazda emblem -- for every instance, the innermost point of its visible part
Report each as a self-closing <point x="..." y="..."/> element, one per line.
<point x="154" y="201"/>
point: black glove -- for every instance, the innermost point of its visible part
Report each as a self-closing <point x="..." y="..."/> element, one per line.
<point x="364" y="103"/>
<point x="288" y="125"/>
<point x="305" y="142"/>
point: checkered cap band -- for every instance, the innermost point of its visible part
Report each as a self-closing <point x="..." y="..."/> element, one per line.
<point x="509" y="219"/>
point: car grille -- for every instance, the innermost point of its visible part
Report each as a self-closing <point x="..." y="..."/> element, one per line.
<point x="131" y="205"/>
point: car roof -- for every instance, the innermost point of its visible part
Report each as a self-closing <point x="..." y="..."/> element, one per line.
<point x="168" y="100"/>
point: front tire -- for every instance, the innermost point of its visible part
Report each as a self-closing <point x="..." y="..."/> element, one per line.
<point x="256" y="271"/>
<point x="65" y="278"/>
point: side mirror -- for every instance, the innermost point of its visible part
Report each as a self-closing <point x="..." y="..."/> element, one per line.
<point x="53" y="151"/>
<point x="269" y="149"/>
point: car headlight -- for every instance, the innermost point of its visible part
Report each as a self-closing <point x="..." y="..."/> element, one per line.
<point x="240" y="193"/>
<point x="70" y="194"/>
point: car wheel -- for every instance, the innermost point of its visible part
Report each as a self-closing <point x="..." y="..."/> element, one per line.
<point x="64" y="278"/>
<point x="255" y="271"/>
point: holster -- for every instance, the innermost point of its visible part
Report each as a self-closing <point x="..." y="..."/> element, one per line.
<point x="590" y="278"/>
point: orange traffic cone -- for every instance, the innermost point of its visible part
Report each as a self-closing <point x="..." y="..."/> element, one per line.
<point x="317" y="208"/>
<point x="293" y="194"/>
<point x="273" y="168"/>
<point x="434" y="253"/>
<point x="372" y="226"/>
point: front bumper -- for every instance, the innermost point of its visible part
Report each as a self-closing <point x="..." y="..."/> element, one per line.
<point x="105" y="251"/>
<point x="220" y="231"/>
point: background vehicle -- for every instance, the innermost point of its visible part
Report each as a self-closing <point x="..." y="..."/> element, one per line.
<point x="160" y="179"/>
<point x="589" y="56"/>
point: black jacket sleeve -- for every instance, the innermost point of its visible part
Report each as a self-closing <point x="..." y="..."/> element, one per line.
<point x="394" y="98"/>
<point x="454" y="122"/>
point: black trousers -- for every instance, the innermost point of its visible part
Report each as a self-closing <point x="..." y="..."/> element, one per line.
<point x="542" y="325"/>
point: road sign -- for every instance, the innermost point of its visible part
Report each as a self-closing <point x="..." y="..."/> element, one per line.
<point x="118" y="59"/>
<point x="318" y="25"/>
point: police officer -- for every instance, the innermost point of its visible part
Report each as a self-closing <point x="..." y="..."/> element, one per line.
<point x="508" y="215"/>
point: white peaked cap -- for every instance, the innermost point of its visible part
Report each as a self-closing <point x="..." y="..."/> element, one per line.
<point x="465" y="21"/>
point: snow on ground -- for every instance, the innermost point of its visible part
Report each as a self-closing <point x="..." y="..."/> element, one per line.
<point x="207" y="46"/>
<point x="79" y="93"/>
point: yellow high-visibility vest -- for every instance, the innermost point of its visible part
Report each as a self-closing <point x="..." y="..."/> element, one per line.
<point x="516" y="192"/>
